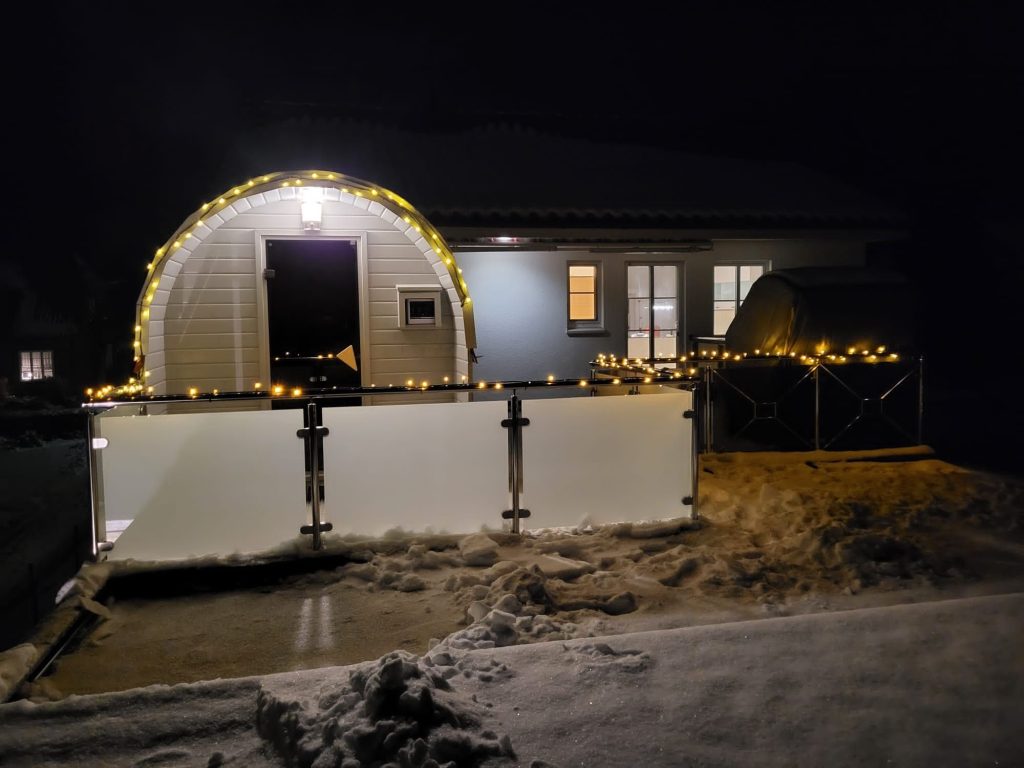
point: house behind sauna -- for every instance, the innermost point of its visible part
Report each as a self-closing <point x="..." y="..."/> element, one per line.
<point x="489" y="255"/>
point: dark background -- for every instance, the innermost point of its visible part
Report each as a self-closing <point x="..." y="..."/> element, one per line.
<point x="121" y="119"/>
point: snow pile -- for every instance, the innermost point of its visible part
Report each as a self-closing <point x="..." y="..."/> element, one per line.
<point x="397" y="711"/>
<point x="15" y="664"/>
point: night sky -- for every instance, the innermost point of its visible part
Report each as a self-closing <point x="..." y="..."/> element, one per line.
<point x="140" y="114"/>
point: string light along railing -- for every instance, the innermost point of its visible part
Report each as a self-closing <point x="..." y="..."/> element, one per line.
<point x="877" y="354"/>
<point x="197" y="226"/>
<point x="110" y="395"/>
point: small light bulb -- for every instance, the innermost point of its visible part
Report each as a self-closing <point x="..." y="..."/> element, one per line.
<point x="258" y="385"/>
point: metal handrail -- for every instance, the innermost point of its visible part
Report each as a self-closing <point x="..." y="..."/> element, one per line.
<point x="341" y="393"/>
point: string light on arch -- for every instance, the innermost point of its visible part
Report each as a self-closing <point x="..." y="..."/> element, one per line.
<point x="389" y="202"/>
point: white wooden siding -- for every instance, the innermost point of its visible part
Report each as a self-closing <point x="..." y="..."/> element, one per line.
<point x="206" y="328"/>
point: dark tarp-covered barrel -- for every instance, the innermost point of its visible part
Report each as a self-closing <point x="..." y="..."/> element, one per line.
<point x="820" y="310"/>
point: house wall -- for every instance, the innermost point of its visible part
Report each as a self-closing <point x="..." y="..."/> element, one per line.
<point x="519" y="299"/>
<point x="207" y="321"/>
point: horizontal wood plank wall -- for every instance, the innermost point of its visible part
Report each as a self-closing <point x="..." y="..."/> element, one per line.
<point x="205" y="331"/>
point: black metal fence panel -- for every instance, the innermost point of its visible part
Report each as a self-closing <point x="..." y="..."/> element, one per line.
<point x="779" y="404"/>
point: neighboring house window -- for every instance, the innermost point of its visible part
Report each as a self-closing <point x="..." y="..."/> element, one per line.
<point x="584" y="297"/>
<point x="652" y="325"/>
<point x="732" y="283"/>
<point x="36" y="365"/>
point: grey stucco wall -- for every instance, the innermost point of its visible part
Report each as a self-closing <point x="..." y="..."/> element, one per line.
<point x="519" y="299"/>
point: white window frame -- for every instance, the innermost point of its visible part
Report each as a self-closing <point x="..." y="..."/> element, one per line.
<point x="39" y="364"/>
<point x="408" y="293"/>
<point x="680" y="290"/>
<point x="263" y="318"/>
<point x="737" y="301"/>
<point x="593" y="327"/>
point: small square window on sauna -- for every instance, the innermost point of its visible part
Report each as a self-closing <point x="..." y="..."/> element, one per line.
<point x="419" y="306"/>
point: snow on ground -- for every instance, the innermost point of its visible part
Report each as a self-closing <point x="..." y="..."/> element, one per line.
<point x="781" y="535"/>
<point x="938" y="683"/>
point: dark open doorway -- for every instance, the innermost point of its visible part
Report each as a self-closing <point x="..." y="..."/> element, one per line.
<point x="313" y="313"/>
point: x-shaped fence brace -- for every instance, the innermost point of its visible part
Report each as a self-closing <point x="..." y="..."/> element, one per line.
<point x="762" y="411"/>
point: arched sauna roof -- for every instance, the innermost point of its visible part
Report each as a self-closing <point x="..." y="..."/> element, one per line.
<point x="818" y="310"/>
<point x="281" y="185"/>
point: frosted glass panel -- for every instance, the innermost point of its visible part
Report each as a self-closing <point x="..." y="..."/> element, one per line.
<point x="202" y="484"/>
<point x="441" y="466"/>
<point x="607" y="459"/>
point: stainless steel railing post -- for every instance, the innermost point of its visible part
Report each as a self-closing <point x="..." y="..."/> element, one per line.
<point x="95" y="490"/>
<point x="709" y="421"/>
<point x="817" y="407"/>
<point x="920" y="400"/>
<point x="514" y="424"/>
<point x="694" y="452"/>
<point x="313" y="435"/>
